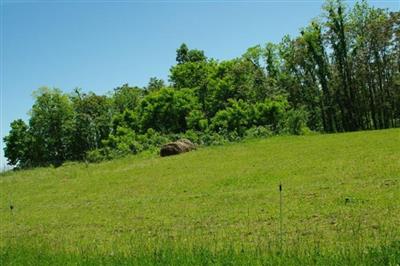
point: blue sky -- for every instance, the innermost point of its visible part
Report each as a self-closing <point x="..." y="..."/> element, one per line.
<point x="99" y="45"/>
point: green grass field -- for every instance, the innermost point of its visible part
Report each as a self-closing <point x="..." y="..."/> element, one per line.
<point x="217" y="205"/>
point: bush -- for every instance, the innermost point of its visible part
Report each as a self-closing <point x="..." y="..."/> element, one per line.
<point x="234" y="118"/>
<point x="124" y="141"/>
<point x="296" y="122"/>
<point x="95" y="156"/>
<point x="151" y="140"/>
<point x="193" y="136"/>
<point x="258" y="132"/>
<point x="270" y="113"/>
<point x="212" y="138"/>
<point x="240" y="116"/>
<point x="196" y="120"/>
<point x="166" y="110"/>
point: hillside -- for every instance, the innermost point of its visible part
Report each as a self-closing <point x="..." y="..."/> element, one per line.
<point x="340" y="194"/>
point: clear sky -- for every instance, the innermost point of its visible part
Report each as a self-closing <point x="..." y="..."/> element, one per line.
<point x="99" y="45"/>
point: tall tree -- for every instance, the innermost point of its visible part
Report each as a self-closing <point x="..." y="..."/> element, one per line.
<point x="92" y="122"/>
<point x="51" y="126"/>
<point x="337" y="25"/>
<point x="312" y="36"/>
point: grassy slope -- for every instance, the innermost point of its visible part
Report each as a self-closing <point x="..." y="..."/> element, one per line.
<point x="340" y="191"/>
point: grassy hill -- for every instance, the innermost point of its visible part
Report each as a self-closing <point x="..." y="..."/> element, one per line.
<point x="216" y="205"/>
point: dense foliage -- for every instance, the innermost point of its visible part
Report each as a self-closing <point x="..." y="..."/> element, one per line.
<point x="342" y="73"/>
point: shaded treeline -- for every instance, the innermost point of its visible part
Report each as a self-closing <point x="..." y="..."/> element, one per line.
<point x="342" y="73"/>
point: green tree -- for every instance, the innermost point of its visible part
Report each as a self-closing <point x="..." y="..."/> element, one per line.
<point x="155" y="84"/>
<point x="126" y="97"/>
<point x="312" y="36"/>
<point x="298" y="79"/>
<point x="51" y="126"/>
<point x="338" y="35"/>
<point x="92" y="122"/>
<point x="166" y="110"/>
<point x="184" y="55"/>
<point x="17" y="148"/>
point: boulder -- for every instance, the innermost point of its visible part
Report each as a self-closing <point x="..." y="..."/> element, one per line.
<point x="177" y="147"/>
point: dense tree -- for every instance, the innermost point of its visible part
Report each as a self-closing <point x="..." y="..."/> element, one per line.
<point x="341" y="73"/>
<point x="126" y="97"/>
<point x="18" y="144"/>
<point x="240" y="116"/>
<point x="51" y="126"/>
<point x="92" y="121"/>
<point x="155" y="84"/>
<point x="184" y="55"/>
<point x="312" y="37"/>
<point x="166" y="110"/>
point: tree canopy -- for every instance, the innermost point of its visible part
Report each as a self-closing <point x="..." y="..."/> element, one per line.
<point x="341" y="73"/>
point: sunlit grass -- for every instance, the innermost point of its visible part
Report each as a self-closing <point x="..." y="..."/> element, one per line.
<point x="340" y="203"/>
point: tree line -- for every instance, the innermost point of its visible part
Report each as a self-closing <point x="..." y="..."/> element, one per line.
<point x="341" y="73"/>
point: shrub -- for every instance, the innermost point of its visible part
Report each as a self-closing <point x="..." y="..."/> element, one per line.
<point x="166" y="110"/>
<point x="196" y="120"/>
<point x="258" y="132"/>
<point x="233" y="118"/>
<point x="151" y="140"/>
<point x="124" y="141"/>
<point x="95" y="156"/>
<point x="193" y="136"/>
<point x="212" y="138"/>
<point x="296" y="122"/>
<point x="270" y="113"/>
<point x="128" y="119"/>
<point x="240" y="116"/>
